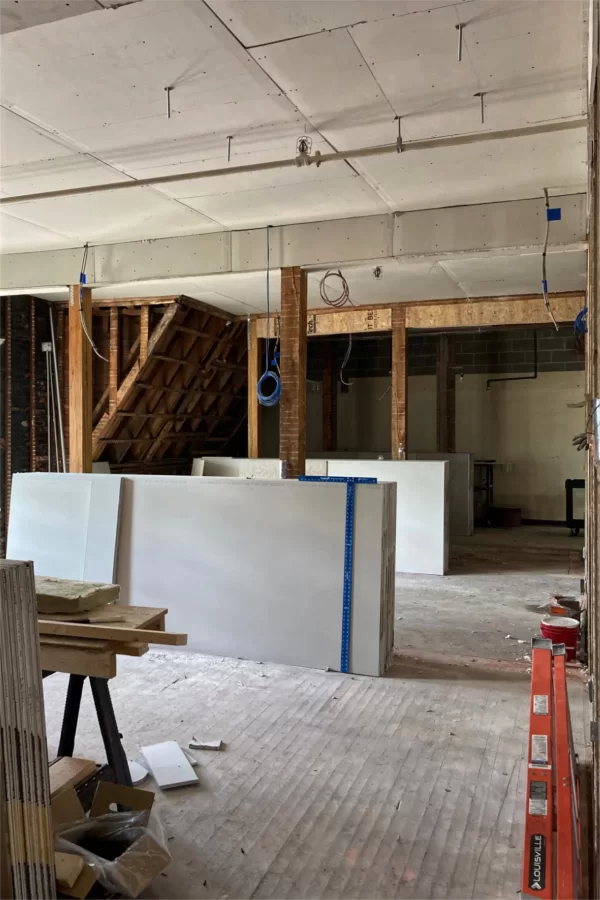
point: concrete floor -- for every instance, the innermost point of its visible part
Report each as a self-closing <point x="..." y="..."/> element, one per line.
<point x="341" y="786"/>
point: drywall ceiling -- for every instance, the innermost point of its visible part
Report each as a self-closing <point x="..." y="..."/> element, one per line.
<point x="245" y="293"/>
<point x="15" y="15"/>
<point x="84" y="102"/>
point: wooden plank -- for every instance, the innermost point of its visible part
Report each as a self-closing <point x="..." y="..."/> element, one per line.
<point x="399" y="383"/>
<point x="113" y="357"/>
<point x="254" y="372"/>
<point x="527" y="309"/>
<point x="128" y="302"/>
<point x="69" y="771"/>
<point x="493" y="312"/>
<point x="344" y="321"/>
<point x="80" y="380"/>
<point x="74" y="661"/>
<point x="144" y="331"/>
<point x="446" y="393"/>
<point x="117" y="632"/>
<point x="292" y="416"/>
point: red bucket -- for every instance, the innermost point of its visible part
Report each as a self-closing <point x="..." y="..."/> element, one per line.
<point x="562" y="630"/>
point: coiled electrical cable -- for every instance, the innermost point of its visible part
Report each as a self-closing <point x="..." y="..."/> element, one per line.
<point x="269" y="374"/>
<point x="344" y="296"/>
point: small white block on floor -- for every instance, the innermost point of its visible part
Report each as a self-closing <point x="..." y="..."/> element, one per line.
<point x="169" y="765"/>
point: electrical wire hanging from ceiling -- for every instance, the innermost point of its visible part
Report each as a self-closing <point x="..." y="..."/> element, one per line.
<point x="273" y="398"/>
<point x="82" y="281"/>
<point x="345" y="363"/>
<point x="544" y="255"/>
<point x="344" y="296"/>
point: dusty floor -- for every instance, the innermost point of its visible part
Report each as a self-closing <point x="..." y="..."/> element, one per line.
<point x="498" y="580"/>
<point x="341" y="786"/>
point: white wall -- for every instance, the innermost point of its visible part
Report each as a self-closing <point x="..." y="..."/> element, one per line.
<point x="524" y="425"/>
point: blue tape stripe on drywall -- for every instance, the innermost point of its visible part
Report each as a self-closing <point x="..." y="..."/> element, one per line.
<point x="348" y="556"/>
<point x="340" y="479"/>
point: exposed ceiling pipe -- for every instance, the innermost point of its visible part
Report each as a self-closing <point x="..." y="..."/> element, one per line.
<point x="305" y="159"/>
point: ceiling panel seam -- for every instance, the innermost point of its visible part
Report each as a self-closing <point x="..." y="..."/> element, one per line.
<point x="81" y="149"/>
<point x="232" y="42"/>
<point x="53" y="231"/>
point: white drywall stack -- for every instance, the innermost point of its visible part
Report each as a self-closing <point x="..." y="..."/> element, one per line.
<point x="67" y="524"/>
<point x="461" y="486"/>
<point x="421" y="509"/>
<point x="245" y="467"/>
<point x="256" y="568"/>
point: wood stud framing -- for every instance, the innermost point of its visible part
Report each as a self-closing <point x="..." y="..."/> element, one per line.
<point x="446" y="393"/>
<point x="254" y="367"/>
<point x="80" y="380"/>
<point x="399" y="382"/>
<point x="292" y="416"/>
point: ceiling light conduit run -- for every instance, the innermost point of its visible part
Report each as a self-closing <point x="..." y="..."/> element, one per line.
<point x="306" y="159"/>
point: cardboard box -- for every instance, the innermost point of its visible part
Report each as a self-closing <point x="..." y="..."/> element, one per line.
<point x="130" y="871"/>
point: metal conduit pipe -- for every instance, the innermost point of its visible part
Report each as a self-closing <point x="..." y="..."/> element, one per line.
<point x="317" y="159"/>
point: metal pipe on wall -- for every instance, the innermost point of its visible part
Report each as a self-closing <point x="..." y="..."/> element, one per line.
<point x="317" y="159"/>
<point x="61" y="429"/>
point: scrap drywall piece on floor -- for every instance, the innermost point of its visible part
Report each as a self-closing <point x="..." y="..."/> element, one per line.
<point x="422" y="546"/>
<point x="281" y="598"/>
<point x="169" y="765"/>
<point x="460" y="489"/>
<point x="67" y="524"/>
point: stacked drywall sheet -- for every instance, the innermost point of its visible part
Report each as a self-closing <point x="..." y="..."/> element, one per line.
<point x="250" y="568"/>
<point x="236" y="467"/>
<point x="421" y="509"/>
<point x="460" y="489"/>
<point x="255" y="569"/>
<point x="66" y="524"/>
<point x="23" y="749"/>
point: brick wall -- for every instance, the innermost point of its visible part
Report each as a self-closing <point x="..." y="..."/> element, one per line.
<point x="489" y="352"/>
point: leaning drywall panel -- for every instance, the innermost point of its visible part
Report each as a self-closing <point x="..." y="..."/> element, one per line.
<point x="460" y="489"/>
<point x="421" y="504"/>
<point x="255" y="568"/>
<point x="67" y="524"/>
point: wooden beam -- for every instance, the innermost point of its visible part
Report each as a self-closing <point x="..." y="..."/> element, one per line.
<point x="329" y="394"/>
<point x="399" y="373"/>
<point x="292" y="416"/>
<point x="494" y="312"/>
<point x="144" y="332"/>
<point x="80" y="379"/>
<point x="254" y="367"/>
<point x="107" y="424"/>
<point x="486" y="312"/>
<point x="446" y="393"/>
<point x="128" y="302"/>
<point x="113" y="359"/>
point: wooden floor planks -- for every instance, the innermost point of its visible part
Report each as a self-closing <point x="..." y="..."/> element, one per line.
<point x="332" y="786"/>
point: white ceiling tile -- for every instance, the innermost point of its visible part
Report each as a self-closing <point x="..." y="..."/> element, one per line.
<point x="75" y="170"/>
<point x="113" y="216"/>
<point x="262" y="21"/>
<point x="287" y="203"/>
<point x="21" y="142"/>
<point x="496" y="276"/>
<point x="17" y="236"/>
<point x="518" y="168"/>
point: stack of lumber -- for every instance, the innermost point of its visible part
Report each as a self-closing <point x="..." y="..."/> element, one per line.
<point x="24" y="752"/>
<point x="82" y="629"/>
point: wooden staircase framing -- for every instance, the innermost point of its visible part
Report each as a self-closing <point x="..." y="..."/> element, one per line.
<point x="174" y="383"/>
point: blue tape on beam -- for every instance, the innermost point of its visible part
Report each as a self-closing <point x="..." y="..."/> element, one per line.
<point x="553" y="214"/>
<point x="348" y="556"/>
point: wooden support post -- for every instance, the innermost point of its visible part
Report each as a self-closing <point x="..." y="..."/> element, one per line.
<point x="80" y="380"/>
<point x="254" y="371"/>
<point x="329" y="388"/>
<point x="292" y="417"/>
<point x="144" y="331"/>
<point x="113" y="357"/>
<point x="446" y="393"/>
<point x="399" y="432"/>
